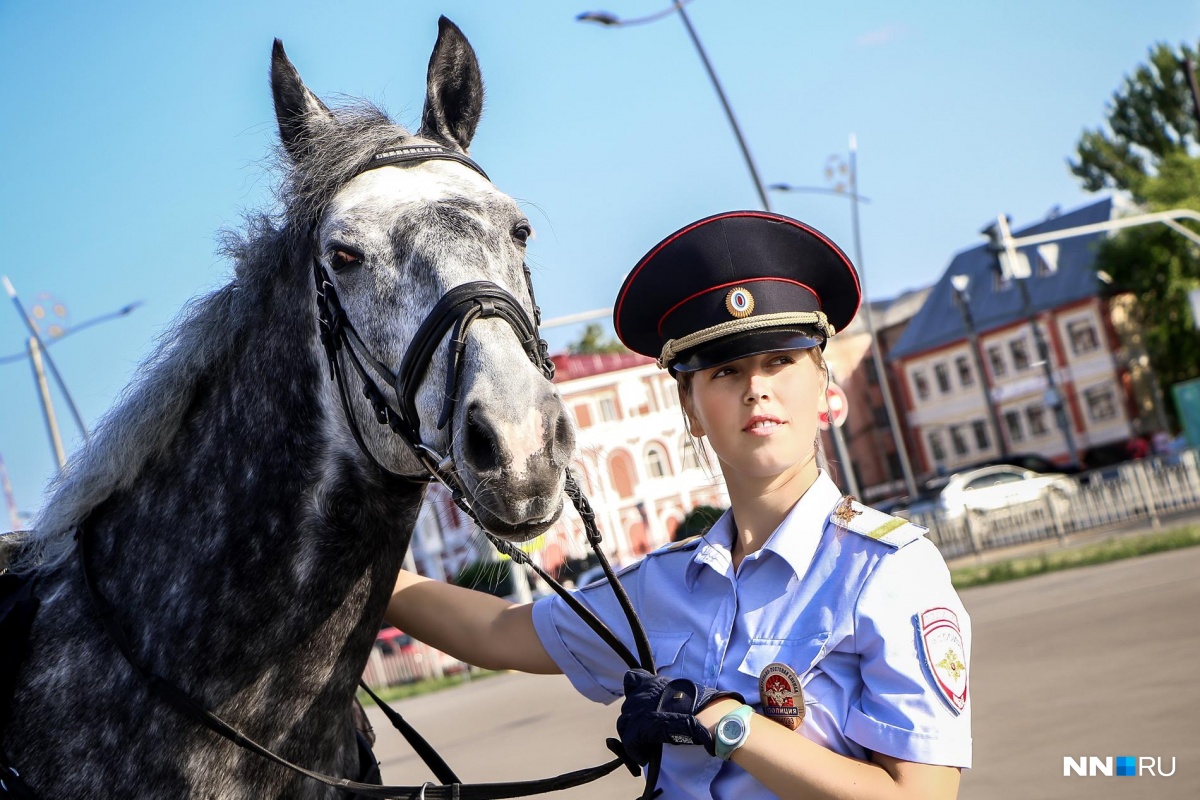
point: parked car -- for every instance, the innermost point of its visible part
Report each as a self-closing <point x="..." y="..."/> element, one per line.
<point x="990" y="488"/>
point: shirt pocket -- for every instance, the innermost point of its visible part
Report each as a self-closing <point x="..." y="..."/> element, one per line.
<point x="669" y="650"/>
<point x="801" y="654"/>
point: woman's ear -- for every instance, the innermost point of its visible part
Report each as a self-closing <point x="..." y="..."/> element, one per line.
<point x="685" y="402"/>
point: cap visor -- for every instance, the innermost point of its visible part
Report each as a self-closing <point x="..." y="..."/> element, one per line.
<point x="747" y="343"/>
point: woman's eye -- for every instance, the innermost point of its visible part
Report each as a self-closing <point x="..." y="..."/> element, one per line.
<point x="341" y="258"/>
<point x="722" y="372"/>
<point x="522" y="232"/>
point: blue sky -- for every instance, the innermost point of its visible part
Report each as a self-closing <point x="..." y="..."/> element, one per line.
<point x="134" y="131"/>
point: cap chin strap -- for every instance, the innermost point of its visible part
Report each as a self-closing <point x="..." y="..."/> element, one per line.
<point x="674" y="347"/>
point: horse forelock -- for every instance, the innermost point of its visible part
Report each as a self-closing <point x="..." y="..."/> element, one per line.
<point x="338" y="151"/>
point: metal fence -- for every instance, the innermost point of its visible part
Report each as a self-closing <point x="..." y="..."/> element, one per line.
<point x="1148" y="489"/>
<point x="389" y="666"/>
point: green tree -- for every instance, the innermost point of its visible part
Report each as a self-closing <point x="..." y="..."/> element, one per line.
<point x="594" y="341"/>
<point x="1147" y="149"/>
<point x="697" y="521"/>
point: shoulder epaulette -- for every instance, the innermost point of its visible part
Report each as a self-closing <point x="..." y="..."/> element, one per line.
<point x="873" y="524"/>
<point x="689" y="543"/>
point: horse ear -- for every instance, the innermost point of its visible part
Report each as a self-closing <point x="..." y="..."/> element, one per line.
<point x="453" y="89"/>
<point x="297" y="109"/>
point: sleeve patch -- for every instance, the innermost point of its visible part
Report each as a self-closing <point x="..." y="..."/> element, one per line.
<point x="943" y="654"/>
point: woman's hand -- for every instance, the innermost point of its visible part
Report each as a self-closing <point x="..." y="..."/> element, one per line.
<point x="660" y="710"/>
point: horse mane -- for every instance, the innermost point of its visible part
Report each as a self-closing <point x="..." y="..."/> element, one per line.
<point x="150" y="411"/>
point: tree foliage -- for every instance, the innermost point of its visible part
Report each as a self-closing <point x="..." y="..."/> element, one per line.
<point x="1151" y="119"/>
<point x="593" y="341"/>
<point x="1148" y="151"/>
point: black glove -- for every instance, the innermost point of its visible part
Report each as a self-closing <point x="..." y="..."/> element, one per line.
<point x="659" y="710"/>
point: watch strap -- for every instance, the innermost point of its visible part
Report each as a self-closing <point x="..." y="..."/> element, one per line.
<point x="724" y="748"/>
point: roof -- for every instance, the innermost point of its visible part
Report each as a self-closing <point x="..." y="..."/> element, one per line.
<point x="889" y="313"/>
<point x="569" y="366"/>
<point x="939" y="322"/>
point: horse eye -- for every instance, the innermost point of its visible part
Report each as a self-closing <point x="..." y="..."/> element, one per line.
<point x="341" y="258"/>
<point x="522" y="232"/>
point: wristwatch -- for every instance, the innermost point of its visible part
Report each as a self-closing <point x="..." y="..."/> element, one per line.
<point x="732" y="731"/>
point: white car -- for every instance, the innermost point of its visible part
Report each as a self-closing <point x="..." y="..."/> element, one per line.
<point x="1002" y="486"/>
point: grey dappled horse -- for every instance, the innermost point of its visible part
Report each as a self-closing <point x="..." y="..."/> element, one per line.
<point x="247" y="544"/>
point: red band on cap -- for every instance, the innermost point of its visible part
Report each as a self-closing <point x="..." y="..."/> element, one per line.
<point x="669" y="311"/>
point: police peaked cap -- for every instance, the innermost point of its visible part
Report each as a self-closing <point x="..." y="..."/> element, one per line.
<point x="733" y="285"/>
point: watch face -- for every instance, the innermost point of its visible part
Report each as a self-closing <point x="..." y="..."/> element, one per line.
<point x="731" y="729"/>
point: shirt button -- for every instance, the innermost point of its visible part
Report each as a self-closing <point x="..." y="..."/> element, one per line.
<point x="712" y="671"/>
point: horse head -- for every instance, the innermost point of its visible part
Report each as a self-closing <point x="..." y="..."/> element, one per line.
<point x="392" y="242"/>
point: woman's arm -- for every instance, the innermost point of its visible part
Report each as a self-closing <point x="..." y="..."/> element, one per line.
<point x="474" y="627"/>
<point x="791" y="766"/>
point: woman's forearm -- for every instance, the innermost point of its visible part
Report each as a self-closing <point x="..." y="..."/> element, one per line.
<point x="792" y="766"/>
<point x="472" y="626"/>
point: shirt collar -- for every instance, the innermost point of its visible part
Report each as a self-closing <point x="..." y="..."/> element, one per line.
<point x="795" y="540"/>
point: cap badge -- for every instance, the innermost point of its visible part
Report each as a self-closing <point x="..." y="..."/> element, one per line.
<point x="782" y="697"/>
<point x="739" y="302"/>
<point x="942" y="650"/>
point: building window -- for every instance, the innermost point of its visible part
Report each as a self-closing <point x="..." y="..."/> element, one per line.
<point x="996" y="357"/>
<point x="879" y="415"/>
<point x="1020" y="354"/>
<point x="921" y="385"/>
<point x="959" y="440"/>
<point x="620" y="471"/>
<point x="982" y="442"/>
<point x="872" y="372"/>
<point x="656" y="461"/>
<point x="1082" y="334"/>
<point x="1100" y="403"/>
<point x="583" y="415"/>
<point x="942" y="374"/>
<point x="1046" y="259"/>
<point x="965" y="376"/>
<point x="608" y="409"/>
<point x="936" y="447"/>
<point x="1036" y="415"/>
<point x="1012" y="421"/>
<point x="691" y="460"/>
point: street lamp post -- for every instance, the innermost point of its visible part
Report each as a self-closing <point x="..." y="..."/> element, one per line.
<point x="36" y="351"/>
<point x="881" y="377"/>
<point x="613" y="21"/>
<point x="960" y="283"/>
<point x="1002" y="242"/>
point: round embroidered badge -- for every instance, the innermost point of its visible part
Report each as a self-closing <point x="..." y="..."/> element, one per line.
<point x="739" y="302"/>
<point x="782" y="698"/>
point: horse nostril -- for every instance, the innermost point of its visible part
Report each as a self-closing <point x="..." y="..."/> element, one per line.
<point x="479" y="447"/>
<point x="564" y="437"/>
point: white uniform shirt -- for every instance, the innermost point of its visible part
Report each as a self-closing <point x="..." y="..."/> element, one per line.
<point x="853" y="613"/>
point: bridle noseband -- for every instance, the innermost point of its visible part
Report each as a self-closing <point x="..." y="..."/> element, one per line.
<point x="453" y="313"/>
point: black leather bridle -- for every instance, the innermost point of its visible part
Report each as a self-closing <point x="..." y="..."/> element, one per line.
<point x="453" y="314"/>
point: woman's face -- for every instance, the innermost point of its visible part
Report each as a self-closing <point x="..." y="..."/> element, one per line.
<point x="760" y="412"/>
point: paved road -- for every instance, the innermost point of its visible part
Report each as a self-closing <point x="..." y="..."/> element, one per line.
<point x="1091" y="662"/>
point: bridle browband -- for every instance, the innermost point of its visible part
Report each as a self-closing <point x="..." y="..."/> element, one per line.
<point x="453" y="314"/>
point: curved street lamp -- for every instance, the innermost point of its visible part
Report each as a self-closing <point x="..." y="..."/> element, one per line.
<point x="613" y="21"/>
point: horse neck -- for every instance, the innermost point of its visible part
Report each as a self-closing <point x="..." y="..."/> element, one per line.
<point x="254" y="523"/>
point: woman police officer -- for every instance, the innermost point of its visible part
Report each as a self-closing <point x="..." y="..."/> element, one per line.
<point x="825" y="647"/>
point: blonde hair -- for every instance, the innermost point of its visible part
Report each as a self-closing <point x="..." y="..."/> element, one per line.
<point x="683" y="383"/>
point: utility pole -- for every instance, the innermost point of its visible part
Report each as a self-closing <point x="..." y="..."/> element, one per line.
<point x="39" y="377"/>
